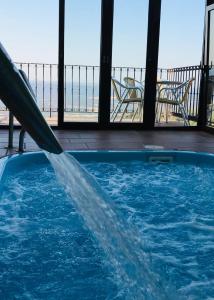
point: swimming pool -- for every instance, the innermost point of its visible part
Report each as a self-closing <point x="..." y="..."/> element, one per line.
<point x="47" y="253"/>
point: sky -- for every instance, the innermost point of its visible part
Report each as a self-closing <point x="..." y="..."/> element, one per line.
<point x="29" y="31"/>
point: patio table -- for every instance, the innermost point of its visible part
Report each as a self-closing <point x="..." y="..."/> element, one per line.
<point x="160" y="84"/>
<point x="168" y="82"/>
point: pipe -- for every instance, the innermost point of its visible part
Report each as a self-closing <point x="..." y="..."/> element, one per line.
<point x="22" y="132"/>
<point x="16" y="95"/>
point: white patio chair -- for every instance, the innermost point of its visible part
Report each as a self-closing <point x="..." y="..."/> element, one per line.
<point x="176" y="96"/>
<point x="132" y="82"/>
<point x="125" y="96"/>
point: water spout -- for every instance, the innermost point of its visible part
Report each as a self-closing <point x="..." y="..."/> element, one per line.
<point x="19" y="99"/>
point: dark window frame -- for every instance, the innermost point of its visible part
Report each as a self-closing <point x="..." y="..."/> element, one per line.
<point x="153" y="35"/>
<point x="204" y="90"/>
<point x="107" y="11"/>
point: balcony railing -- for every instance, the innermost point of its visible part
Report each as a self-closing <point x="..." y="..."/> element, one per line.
<point x="82" y="86"/>
<point x="181" y="75"/>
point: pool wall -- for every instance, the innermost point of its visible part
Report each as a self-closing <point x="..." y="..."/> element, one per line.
<point x="16" y="163"/>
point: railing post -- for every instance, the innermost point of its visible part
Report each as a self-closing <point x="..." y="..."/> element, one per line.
<point x="10" y="133"/>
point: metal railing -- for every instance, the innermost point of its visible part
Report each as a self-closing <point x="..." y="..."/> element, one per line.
<point x="210" y="99"/>
<point x="81" y="88"/>
<point x="184" y="74"/>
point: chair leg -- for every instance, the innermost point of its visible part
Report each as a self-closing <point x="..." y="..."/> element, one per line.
<point x="114" y="110"/>
<point x="141" y="113"/>
<point x="135" y="114"/>
<point x="166" y="108"/>
<point x="119" y="107"/>
<point x="124" y="112"/>
<point x="184" y="115"/>
<point x="161" y="108"/>
<point x="156" y="112"/>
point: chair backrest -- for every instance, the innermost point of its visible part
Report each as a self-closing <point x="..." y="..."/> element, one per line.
<point x="116" y="84"/>
<point x="182" y="91"/>
<point x="130" y="82"/>
<point x="186" y="89"/>
<point x="176" y="92"/>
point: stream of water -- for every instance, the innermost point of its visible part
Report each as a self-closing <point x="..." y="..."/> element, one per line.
<point x="122" y="243"/>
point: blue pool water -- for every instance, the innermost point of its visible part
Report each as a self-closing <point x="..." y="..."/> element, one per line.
<point x="47" y="253"/>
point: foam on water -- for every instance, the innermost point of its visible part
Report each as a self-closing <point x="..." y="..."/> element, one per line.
<point x="119" y="240"/>
<point x="172" y="206"/>
<point x="46" y="251"/>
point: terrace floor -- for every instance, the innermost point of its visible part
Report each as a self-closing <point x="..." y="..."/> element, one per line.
<point x="120" y="140"/>
<point x="52" y="119"/>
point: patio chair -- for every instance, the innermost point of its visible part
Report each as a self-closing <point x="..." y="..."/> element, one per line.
<point x="132" y="82"/>
<point x="125" y="96"/>
<point x="176" y="96"/>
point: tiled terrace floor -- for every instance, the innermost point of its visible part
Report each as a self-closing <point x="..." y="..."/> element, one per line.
<point x="120" y="140"/>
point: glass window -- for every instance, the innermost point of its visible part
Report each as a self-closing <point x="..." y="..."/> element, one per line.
<point x="29" y="32"/>
<point x="180" y="53"/>
<point x="82" y="59"/>
<point x="129" y="60"/>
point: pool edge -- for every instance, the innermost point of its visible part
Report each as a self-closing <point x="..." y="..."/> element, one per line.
<point x="108" y="155"/>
